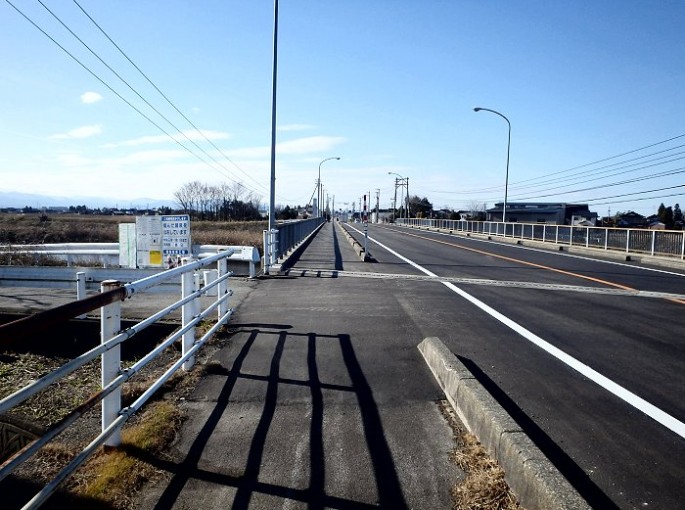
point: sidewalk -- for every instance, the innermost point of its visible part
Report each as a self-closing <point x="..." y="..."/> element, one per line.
<point x="320" y="400"/>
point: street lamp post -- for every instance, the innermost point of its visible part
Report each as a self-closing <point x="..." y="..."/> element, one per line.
<point x="506" y="181"/>
<point x="318" y="182"/>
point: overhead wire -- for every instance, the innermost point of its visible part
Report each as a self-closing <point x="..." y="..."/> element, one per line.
<point x="166" y="98"/>
<point x="225" y="174"/>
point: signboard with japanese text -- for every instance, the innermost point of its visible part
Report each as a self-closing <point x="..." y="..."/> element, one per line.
<point x="175" y="237"/>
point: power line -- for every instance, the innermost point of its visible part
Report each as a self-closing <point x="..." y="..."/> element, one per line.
<point x="166" y="98"/>
<point x="135" y="91"/>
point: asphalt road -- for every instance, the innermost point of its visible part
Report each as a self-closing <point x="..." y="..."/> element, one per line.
<point x="610" y="412"/>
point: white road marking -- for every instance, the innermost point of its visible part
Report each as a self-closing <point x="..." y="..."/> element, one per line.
<point x="627" y="396"/>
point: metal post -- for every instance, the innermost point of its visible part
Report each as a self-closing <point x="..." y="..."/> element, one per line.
<point x="366" y="229"/>
<point x="587" y="237"/>
<point x="81" y="289"/>
<point x="628" y="240"/>
<point x="653" y="241"/>
<point x="110" y="325"/>
<point x="222" y="288"/>
<point x="506" y="180"/>
<point x="272" y="190"/>
<point x="187" y="314"/>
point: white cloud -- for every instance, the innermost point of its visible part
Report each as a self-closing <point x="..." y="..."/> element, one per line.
<point x="80" y="132"/>
<point x="296" y="127"/>
<point x="309" y="144"/>
<point x="90" y="97"/>
<point x="194" y="135"/>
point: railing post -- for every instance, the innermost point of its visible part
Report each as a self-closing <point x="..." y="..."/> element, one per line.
<point x="222" y="288"/>
<point x="606" y="238"/>
<point x="81" y="289"/>
<point x="187" y="314"/>
<point x="653" y="241"/>
<point x="587" y="237"/>
<point x="628" y="240"/>
<point x="267" y="250"/>
<point x="682" y="248"/>
<point x="110" y="325"/>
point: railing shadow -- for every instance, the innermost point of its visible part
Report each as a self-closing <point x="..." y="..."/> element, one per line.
<point x="246" y="482"/>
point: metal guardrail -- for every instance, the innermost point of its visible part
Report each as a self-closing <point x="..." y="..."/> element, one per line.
<point x="664" y="243"/>
<point x="286" y="237"/>
<point x="107" y="254"/>
<point x="109" y="300"/>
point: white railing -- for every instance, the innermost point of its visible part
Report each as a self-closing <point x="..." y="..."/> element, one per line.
<point x="108" y="254"/>
<point x="664" y="243"/>
<point x="109" y="301"/>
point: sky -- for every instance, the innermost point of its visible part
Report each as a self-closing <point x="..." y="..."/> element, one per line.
<point x="594" y="92"/>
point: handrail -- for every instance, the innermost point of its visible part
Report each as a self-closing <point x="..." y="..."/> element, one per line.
<point x="109" y="394"/>
<point x="665" y="243"/>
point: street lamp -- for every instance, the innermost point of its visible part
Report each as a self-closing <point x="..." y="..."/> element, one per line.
<point x="403" y="180"/>
<point x="318" y="182"/>
<point x="506" y="181"/>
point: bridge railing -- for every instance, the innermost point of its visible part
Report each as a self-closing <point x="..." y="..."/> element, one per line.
<point x="109" y="352"/>
<point x="286" y="237"/>
<point x="664" y="243"/>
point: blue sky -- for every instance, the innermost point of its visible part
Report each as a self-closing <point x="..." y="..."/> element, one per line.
<point x="387" y="85"/>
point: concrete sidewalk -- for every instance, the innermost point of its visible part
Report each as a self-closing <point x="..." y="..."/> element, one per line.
<point x="320" y="400"/>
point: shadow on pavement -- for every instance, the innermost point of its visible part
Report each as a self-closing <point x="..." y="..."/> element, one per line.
<point x="595" y="497"/>
<point x="246" y="482"/>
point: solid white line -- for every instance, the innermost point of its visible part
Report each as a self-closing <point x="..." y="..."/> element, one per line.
<point x="627" y="396"/>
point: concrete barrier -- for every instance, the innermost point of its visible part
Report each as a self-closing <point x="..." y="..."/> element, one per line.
<point x="532" y="477"/>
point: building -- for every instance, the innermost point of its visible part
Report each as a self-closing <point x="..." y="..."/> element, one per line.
<point x="544" y="212"/>
<point x="631" y="219"/>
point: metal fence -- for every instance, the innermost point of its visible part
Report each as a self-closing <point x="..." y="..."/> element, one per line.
<point x="112" y="337"/>
<point x="286" y="237"/>
<point x="664" y="243"/>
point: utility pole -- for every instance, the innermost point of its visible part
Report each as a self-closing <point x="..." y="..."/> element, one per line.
<point x="378" y="199"/>
<point x="394" y="203"/>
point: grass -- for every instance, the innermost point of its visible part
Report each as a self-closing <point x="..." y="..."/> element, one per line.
<point x="110" y="478"/>
<point x="483" y="486"/>
<point x="16" y="229"/>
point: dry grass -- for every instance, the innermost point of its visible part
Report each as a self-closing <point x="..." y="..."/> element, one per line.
<point x="483" y="487"/>
<point x="75" y="228"/>
<point x="111" y="478"/>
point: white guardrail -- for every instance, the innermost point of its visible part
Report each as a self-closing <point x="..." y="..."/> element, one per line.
<point x="663" y="243"/>
<point x="107" y="254"/>
<point x="113" y="376"/>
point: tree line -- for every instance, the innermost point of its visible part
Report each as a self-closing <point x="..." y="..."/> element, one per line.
<point x="222" y="202"/>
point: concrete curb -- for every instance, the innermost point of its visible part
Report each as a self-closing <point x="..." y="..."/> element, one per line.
<point x="532" y="477"/>
<point x="358" y="248"/>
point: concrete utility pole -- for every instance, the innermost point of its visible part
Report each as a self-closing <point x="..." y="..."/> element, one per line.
<point x="378" y="199"/>
<point x="394" y="203"/>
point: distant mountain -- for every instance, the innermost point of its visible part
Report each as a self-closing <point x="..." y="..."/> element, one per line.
<point x="20" y="200"/>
